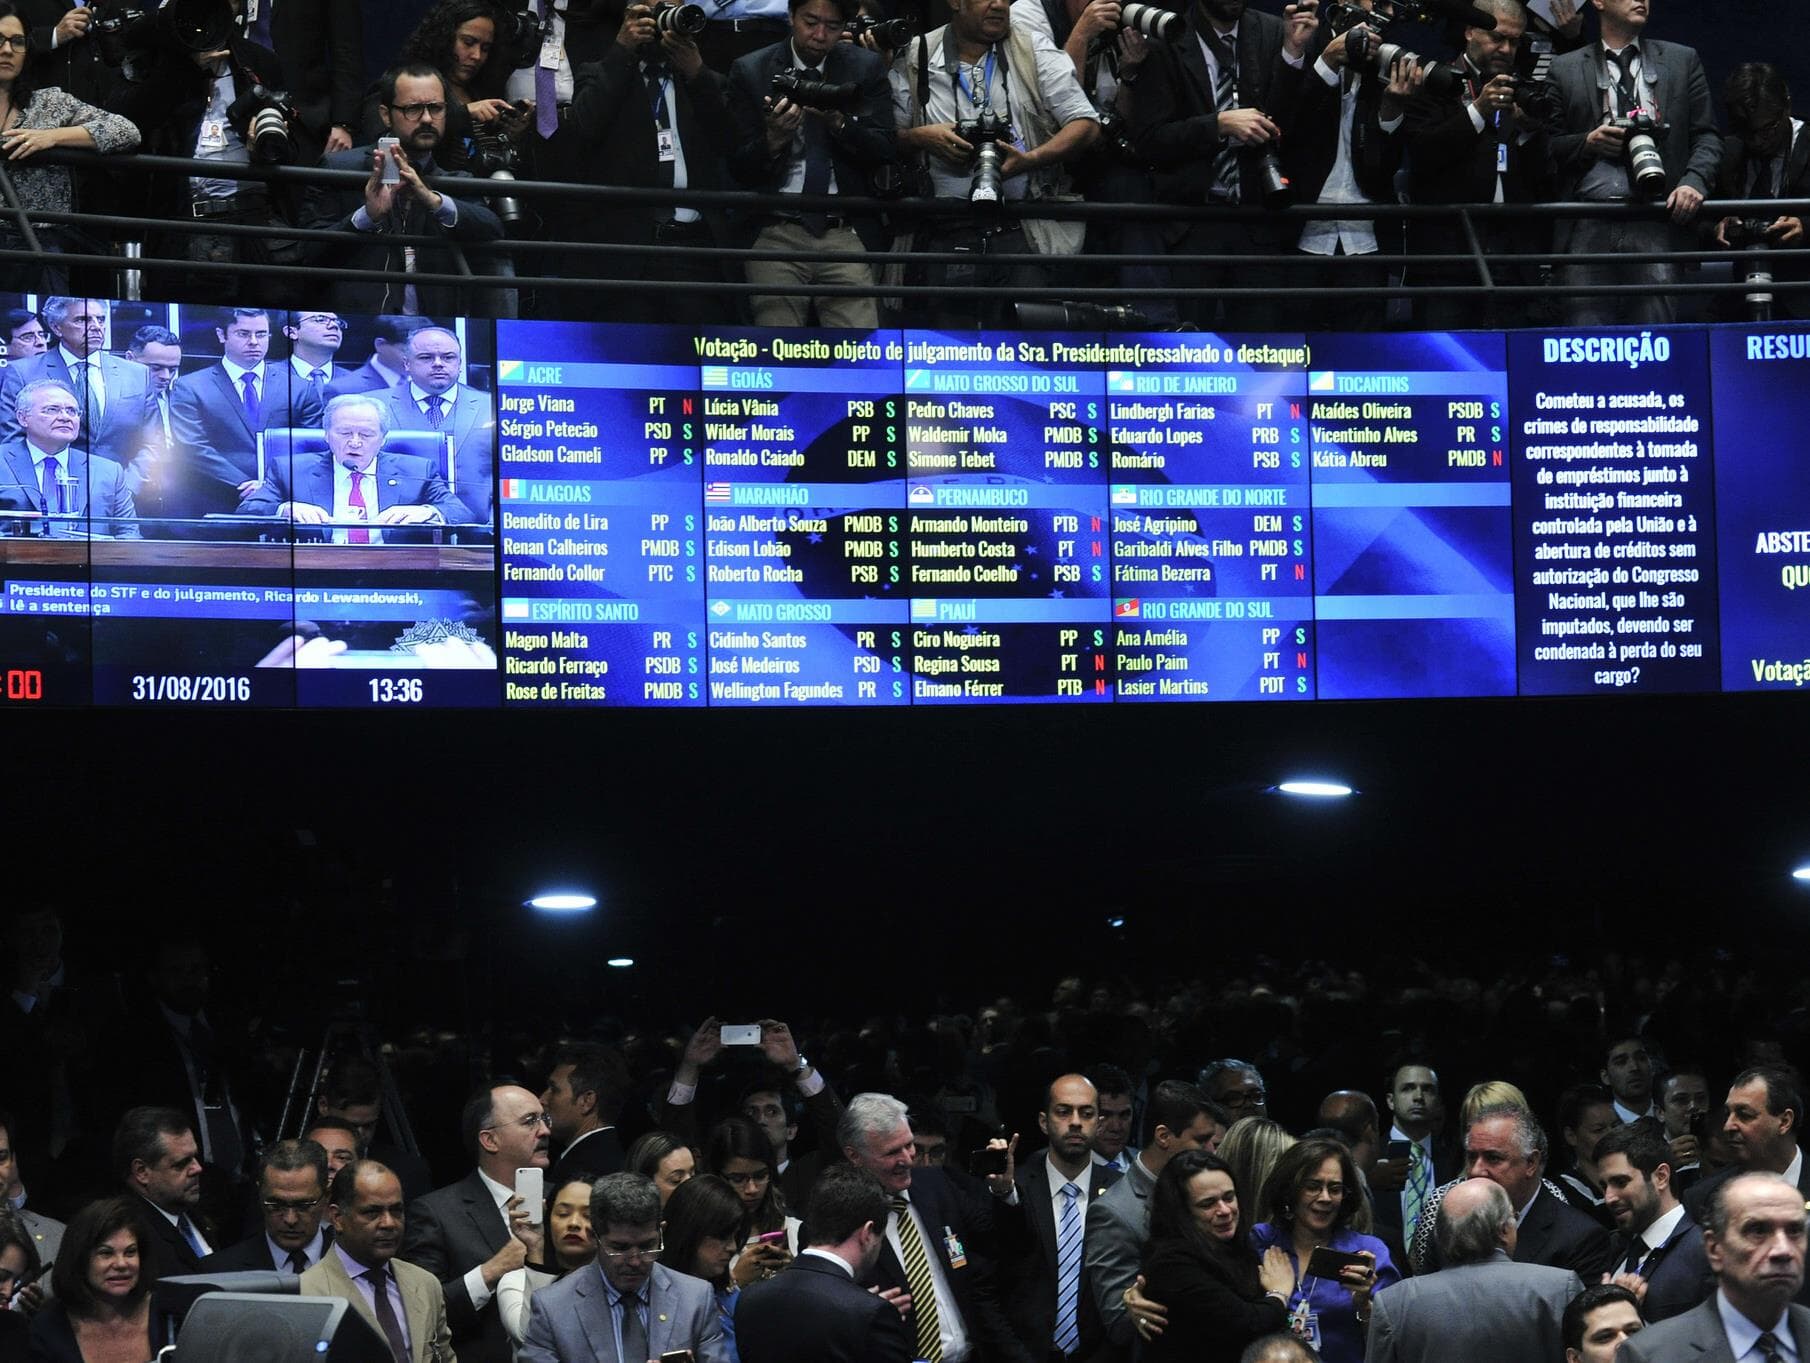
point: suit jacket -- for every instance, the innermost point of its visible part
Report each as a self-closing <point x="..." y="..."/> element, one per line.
<point x="971" y="1219"/>
<point x="1310" y="142"/>
<point x="400" y="479"/>
<point x="1557" y="1234"/>
<point x="590" y="1157"/>
<point x="100" y="488"/>
<point x="1028" y="1256"/>
<point x="864" y="142"/>
<point x="1696" y="1337"/>
<point x="125" y="384"/>
<point x="1450" y="162"/>
<point x="364" y="379"/>
<point x="161" y="1248"/>
<point x="814" y="1312"/>
<point x="472" y="422"/>
<point x="449" y="1232"/>
<point x="1677" y="1273"/>
<point x="613" y="116"/>
<point x="252" y="1254"/>
<point x="331" y="208"/>
<point x="1732" y="183"/>
<point x="1118" y="1223"/>
<point x="569" y="1321"/>
<point x="1174" y="122"/>
<point x="1493" y="1312"/>
<point x="46" y="1233"/>
<point x="429" y="1339"/>
<point x="216" y="444"/>
<point x="1677" y="92"/>
<point x="1696" y="1203"/>
<point x="322" y="42"/>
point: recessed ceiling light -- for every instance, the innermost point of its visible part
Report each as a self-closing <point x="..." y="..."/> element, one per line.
<point x="1318" y="790"/>
<point x="621" y="962"/>
<point x="1802" y="872"/>
<point x="563" y="902"/>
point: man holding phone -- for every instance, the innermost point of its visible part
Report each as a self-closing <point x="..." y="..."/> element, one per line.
<point x="1411" y="1168"/>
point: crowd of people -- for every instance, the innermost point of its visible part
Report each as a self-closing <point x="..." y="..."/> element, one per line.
<point x="1588" y="1157"/>
<point x="993" y="100"/>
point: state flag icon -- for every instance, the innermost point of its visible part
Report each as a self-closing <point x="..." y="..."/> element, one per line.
<point x="1120" y="381"/>
<point x="923" y="608"/>
<point x="1321" y="381"/>
<point x="515" y="610"/>
<point x="1124" y="496"/>
<point x="1129" y="608"/>
<point x="716" y="376"/>
<point x="716" y="492"/>
<point x="920" y="495"/>
<point x="514" y="489"/>
<point x="507" y="371"/>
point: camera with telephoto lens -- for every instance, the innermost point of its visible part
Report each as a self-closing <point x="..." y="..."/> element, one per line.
<point x="888" y="33"/>
<point x="495" y="158"/>
<point x="265" y="120"/>
<point x="1365" y="49"/>
<point x="986" y="134"/>
<point x="815" y="94"/>
<point x="1646" y="167"/>
<point x="686" y="20"/>
<point x="122" y="31"/>
<point x="1082" y="317"/>
<point x="1752" y="237"/>
<point x="1153" y="22"/>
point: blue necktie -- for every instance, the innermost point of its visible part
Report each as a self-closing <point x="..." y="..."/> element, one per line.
<point x="50" y="483"/>
<point x="249" y="382"/>
<point x="1068" y="1271"/>
<point x="186" y="1229"/>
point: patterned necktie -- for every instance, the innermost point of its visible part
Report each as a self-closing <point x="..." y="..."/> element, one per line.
<point x="1768" y="1345"/>
<point x="634" y="1330"/>
<point x="921" y="1284"/>
<point x="50" y="483"/>
<point x="436" y="411"/>
<point x="1068" y="1271"/>
<point x="249" y="384"/>
<point x="1418" y="1180"/>
<point x="816" y="161"/>
<point x="378" y="1278"/>
<point x="546" y="80"/>
<point x="1225" y="97"/>
<point x="357" y="502"/>
<point x="78" y="380"/>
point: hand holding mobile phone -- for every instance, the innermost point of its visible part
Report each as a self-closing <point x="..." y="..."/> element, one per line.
<point x="530" y="1186"/>
<point x="741" y="1034"/>
<point x="389" y="173"/>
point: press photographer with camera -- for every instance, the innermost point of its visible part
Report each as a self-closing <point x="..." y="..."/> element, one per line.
<point x="465" y="41"/>
<point x="649" y="114"/>
<point x="997" y="113"/>
<point x="1637" y="124"/>
<point x="813" y="115"/>
<point x="1765" y="156"/>
<point x="1488" y="144"/>
<point x="1208" y="116"/>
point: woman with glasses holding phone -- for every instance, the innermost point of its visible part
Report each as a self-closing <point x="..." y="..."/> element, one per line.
<point x="738" y="1152"/>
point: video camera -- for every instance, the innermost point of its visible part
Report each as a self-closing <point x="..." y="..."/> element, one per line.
<point x="985" y="134"/>
<point x="122" y="30"/>
<point x="815" y="94"/>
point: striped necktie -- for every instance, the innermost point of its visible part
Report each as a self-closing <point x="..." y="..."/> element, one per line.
<point x="1225" y="97"/>
<point x="1768" y="1345"/>
<point x="1419" y="1177"/>
<point x="1068" y="1271"/>
<point x="923" y="1287"/>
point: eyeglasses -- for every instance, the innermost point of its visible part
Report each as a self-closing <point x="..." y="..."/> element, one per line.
<point x="653" y="1251"/>
<point x="277" y="1207"/>
<point x="59" y="409"/>
<point x="14" y="43"/>
<point x="747" y="1180"/>
<point x="528" y="1123"/>
<point x="323" y="319"/>
<point x="412" y="112"/>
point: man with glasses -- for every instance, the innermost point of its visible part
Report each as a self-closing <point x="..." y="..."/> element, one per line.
<point x="314" y="339"/>
<point x="111" y="389"/>
<point x="25" y="335"/>
<point x="413" y="109"/>
<point x="1236" y="1086"/>
<point x="292" y="1194"/>
<point x="468" y="1235"/>
<point x="629" y="1307"/>
<point x="431" y="398"/>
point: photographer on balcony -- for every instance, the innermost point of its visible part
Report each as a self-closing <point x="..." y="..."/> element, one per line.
<point x="1637" y="126"/>
<point x="814" y="116"/>
<point x="997" y="113"/>
<point x="1765" y="156"/>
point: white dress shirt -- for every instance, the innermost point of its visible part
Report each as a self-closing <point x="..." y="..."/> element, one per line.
<point x="956" y="1345"/>
<point x="474" y="1280"/>
<point x="311" y="1251"/>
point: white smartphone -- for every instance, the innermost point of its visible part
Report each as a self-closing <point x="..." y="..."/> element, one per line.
<point x="741" y="1034"/>
<point x="530" y="1186"/>
<point x="388" y="174"/>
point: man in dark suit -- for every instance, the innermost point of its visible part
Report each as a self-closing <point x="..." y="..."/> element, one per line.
<point x="1656" y="1240"/>
<point x="1205" y="111"/>
<point x="322" y="42"/>
<point x="1623" y="73"/>
<point x="816" y="1311"/>
<point x="111" y="390"/>
<point x="468" y="1235"/>
<point x="1506" y="1145"/>
<point x="1483" y="1307"/>
<point x="292" y="1195"/>
<point x="935" y="1237"/>
<point x="159" y="1161"/>
<point x="787" y="148"/>
<point x="1477" y="150"/>
<point x="356" y="480"/>
<point x="1755" y="1244"/>
<point x="389" y="356"/>
<point x="218" y="413"/>
<point x="647" y="114"/>
<point x="1765" y="156"/>
<point x="159" y="350"/>
<point x="47" y="470"/>
<point x="583" y="1097"/>
<point x="413" y="110"/>
<point x="1043" y="1232"/>
<point x="431" y="397"/>
<point x="1764" y="1106"/>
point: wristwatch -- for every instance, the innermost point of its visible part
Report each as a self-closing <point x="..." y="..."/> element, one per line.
<point x="803" y="1065"/>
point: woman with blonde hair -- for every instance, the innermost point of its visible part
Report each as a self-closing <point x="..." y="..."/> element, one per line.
<point x="1251" y="1147"/>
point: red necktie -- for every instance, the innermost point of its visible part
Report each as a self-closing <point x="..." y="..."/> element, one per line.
<point x="357" y="502"/>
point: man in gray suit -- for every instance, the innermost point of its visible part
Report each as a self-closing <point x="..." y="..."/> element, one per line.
<point x="1604" y="82"/>
<point x="431" y="398"/>
<point x="111" y="391"/>
<point x="1755" y="1244"/>
<point x="1118" y="1221"/>
<point x="628" y="1308"/>
<point x="47" y="470"/>
<point x="1483" y="1307"/>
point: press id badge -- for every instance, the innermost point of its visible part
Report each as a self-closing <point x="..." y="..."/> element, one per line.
<point x="552" y="52"/>
<point x="1304" y="1325"/>
<point x="213" y="135"/>
<point x="1501" y="158"/>
<point x="666" y="143"/>
<point x="251" y="12"/>
<point x="958" y="1257"/>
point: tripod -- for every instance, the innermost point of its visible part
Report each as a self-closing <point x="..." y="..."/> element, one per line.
<point x="343" y="1035"/>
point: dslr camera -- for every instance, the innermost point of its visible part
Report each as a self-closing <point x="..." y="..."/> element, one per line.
<point x="1365" y="49"/>
<point x="1153" y="22"/>
<point x="985" y="134"/>
<point x="811" y="93"/>
<point x="519" y="35"/>
<point x="264" y="118"/>
<point x="888" y="33"/>
<point x="123" y="31"/>
<point x="686" y="20"/>
<point x="1646" y="167"/>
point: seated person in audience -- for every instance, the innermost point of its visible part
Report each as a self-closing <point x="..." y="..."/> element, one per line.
<point x="19" y="1259"/>
<point x="569" y="1242"/>
<point x="292" y="1193"/>
<point x="48" y="470"/>
<point x="100" y="1306"/>
<point x="159" y="1161"/>
<point x="356" y="483"/>
<point x="664" y="1158"/>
